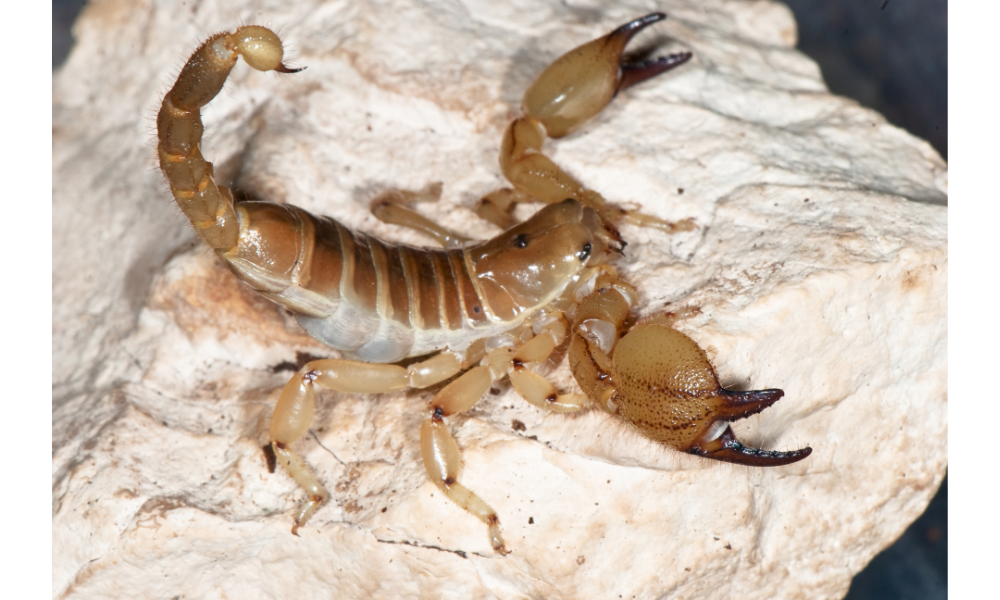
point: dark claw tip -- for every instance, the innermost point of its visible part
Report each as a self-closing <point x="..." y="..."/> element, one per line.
<point x="728" y="449"/>
<point x="645" y="21"/>
<point x="740" y="405"/>
<point x="284" y="69"/>
<point x="633" y="27"/>
<point x="269" y="458"/>
<point x="637" y="72"/>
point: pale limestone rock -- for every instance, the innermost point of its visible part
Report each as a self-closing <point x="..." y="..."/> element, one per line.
<point x="819" y="267"/>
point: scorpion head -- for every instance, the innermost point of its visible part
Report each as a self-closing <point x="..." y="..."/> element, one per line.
<point x="530" y="264"/>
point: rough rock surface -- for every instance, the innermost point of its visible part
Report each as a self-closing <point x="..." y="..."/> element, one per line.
<point x="819" y="267"/>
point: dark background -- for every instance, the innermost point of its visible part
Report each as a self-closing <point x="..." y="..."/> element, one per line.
<point x="889" y="55"/>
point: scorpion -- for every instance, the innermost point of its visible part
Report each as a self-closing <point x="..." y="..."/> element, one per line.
<point x="481" y="311"/>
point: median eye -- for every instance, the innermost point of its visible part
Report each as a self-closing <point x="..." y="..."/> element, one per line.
<point x="585" y="253"/>
<point x="521" y="241"/>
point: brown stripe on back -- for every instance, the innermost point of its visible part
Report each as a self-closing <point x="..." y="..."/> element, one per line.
<point x="398" y="285"/>
<point x="365" y="282"/>
<point x="425" y="277"/>
<point x="471" y="306"/>
<point x="347" y="250"/>
<point x="307" y="247"/>
<point x="408" y="258"/>
<point x="327" y="260"/>
<point x="383" y="304"/>
<point x="451" y="306"/>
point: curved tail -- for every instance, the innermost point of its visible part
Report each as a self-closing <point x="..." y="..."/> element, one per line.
<point x="179" y="129"/>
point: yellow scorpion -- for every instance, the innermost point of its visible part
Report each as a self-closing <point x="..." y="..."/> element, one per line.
<point x="489" y="309"/>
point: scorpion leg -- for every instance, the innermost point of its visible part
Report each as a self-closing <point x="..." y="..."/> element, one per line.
<point x="294" y="412"/>
<point x="531" y="386"/>
<point x="393" y="207"/>
<point x="497" y="206"/>
<point x="435" y="369"/>
<point x="441" y="455"/>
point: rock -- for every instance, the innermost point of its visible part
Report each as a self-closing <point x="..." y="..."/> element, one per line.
<point x="819" y="266"/>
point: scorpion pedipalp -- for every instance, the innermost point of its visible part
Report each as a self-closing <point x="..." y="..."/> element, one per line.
<point x="574" y="88"/>
<point x="660" y="382"/>
<point x="580" y="83"/>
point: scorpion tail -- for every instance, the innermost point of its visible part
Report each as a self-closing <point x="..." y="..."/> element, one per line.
<point x="209" y="207"/>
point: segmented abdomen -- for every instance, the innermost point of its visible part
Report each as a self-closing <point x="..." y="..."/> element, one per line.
<point x="372" y="300"/>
